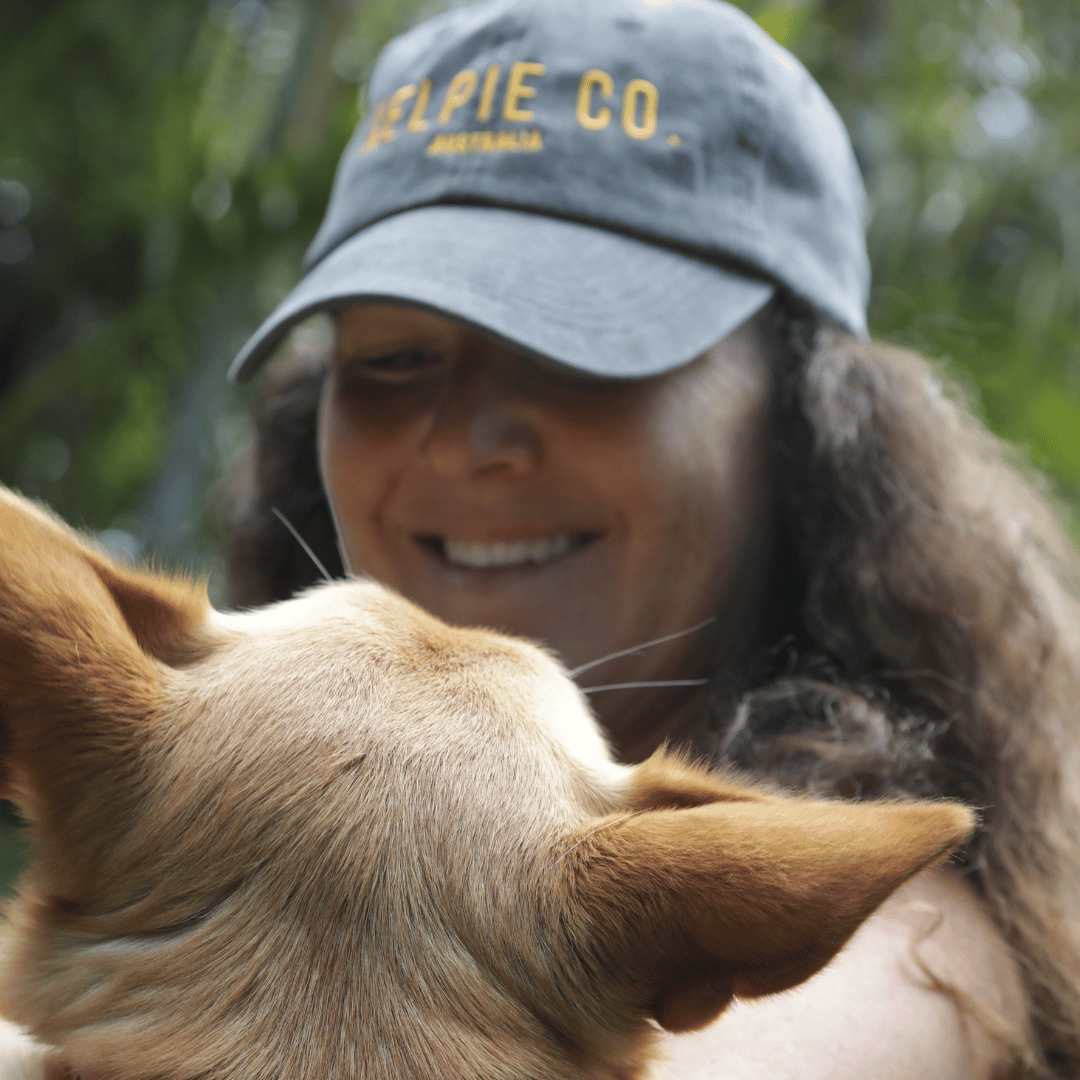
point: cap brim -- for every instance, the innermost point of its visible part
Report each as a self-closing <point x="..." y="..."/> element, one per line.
<point x="585" y="297"/>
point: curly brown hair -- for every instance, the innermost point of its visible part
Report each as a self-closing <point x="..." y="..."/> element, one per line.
<point x="923" y="632"/>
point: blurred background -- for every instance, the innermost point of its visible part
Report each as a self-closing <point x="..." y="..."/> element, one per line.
<point x="163" y="166"/>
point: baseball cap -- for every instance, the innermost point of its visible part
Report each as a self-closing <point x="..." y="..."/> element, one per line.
<point x="614" y="185"/>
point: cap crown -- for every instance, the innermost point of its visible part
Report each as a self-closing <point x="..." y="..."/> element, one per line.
<point x="677" y="121"/>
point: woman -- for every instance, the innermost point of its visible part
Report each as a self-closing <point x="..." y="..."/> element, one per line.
<point x="601" y="377"/>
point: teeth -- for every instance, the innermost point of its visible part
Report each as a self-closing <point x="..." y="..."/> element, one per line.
<point x="482" y="556"/>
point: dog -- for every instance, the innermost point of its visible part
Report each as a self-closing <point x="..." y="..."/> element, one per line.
<point x="337" y="838"/>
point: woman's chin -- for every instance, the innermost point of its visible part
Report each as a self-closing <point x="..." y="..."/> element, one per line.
<point x="561" y="601"/>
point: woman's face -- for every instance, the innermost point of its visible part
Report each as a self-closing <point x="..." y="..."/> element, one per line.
<point x="594" y="515"/>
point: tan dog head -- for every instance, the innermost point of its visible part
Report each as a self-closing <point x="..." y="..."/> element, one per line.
<point x="337" y="838"/>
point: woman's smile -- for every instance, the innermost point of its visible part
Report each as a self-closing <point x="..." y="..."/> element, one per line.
<point x="498" y="490"/>
<point x="523" y="553"/>
<point x="479" y="571"/>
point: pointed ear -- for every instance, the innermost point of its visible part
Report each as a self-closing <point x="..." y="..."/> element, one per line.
<point x="692" y="907"/>
<point x="78" y="637"/>
<point x="670" y="781"/>
<point x="46" y="565"/>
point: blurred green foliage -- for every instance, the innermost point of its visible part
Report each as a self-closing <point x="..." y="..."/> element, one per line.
<point x="163" y="165"/>
<point x="965" y="119"/>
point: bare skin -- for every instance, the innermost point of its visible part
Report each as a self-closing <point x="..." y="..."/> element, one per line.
<point x="430" y="430"/>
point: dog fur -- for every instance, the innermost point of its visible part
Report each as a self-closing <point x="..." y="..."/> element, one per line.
<point x="336" y="838"/>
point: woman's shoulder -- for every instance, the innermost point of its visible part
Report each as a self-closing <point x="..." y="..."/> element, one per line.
<point x="927" y="987"/>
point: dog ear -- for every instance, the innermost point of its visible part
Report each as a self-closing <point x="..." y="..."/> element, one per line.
<point x="670" y="781"/>
<point x="79" y="637"/>
<point x="744" y="897"/>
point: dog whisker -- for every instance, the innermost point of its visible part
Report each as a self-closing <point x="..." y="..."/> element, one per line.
<point x="644" y="685"/>
<point x="301" y="541"/>
<point x="637" y="648"/>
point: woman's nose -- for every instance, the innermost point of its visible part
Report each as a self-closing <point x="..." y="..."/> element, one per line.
<point x="480" y="428"/>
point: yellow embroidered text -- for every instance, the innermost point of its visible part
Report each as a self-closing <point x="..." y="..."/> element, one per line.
<point x="517" y="88"/>
<point x="462" y="88"/>
<point x="640" y="90"/>
<point x="591" y="81"/>
<point x="487" y="95"/>
<point x="529" y="141"/>
<point x="417" y="121"/>
<point x="640" y="109"/>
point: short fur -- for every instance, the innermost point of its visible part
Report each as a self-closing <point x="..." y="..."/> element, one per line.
<point x="337" y="838"/>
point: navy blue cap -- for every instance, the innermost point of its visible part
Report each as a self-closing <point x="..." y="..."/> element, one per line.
<point x="612" y="184"/>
